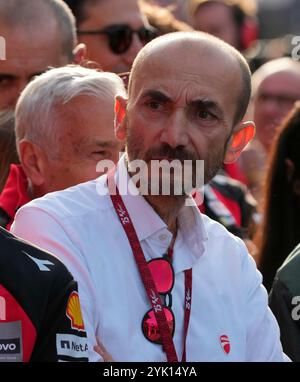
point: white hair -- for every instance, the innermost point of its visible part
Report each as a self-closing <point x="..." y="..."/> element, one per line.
<point x="36" y="117"/>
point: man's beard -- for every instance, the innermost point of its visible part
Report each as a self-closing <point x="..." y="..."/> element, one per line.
<point x="186" y="160"/>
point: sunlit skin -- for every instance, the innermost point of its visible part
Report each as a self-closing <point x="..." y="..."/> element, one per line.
<point x="105" y="13"/>
<point x="181" y="105"/>
<point x="87" y="138"/>
<point x="28" y="54"/>
<point x="273" y="100"/>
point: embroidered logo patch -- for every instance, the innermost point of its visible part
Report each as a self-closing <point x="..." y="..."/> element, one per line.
<point x="74" y="312"/>
<point x="225" y="343"/>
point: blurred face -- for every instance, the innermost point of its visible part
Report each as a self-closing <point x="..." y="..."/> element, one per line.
<point x="105" y="14"/>
<point x="28" y="54"/>
<point x="217" y="19"/>
<point x="88" y="138"/>
<point x="273" y="100"/>
<point x="178" y="111"/>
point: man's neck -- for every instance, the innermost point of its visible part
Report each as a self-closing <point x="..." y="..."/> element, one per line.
<point x="167" y="207"/>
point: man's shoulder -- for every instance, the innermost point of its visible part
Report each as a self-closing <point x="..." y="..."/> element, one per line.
<point x="72" y="202"/>
<point x="215" y="229"/>
<point x="28" y="263"/>
<point x="219" y="237"/>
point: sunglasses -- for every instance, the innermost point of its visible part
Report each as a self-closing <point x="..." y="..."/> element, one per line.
<point x="163" y="276"/>
<point x="120" y="36"/>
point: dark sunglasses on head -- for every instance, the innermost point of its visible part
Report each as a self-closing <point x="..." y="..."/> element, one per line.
<point x="120" y="36"/>
<point x="163" y="276"/>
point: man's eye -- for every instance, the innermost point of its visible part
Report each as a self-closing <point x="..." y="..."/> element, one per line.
<point x="203" y="114"/>
<point x="154" y="105"/>
<point x="4" y="81"/>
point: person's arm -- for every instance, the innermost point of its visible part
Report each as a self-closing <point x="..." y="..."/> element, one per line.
<point x="288" y="317"/>
<point x="38" y="227"/>
<point x="62" y="335"/>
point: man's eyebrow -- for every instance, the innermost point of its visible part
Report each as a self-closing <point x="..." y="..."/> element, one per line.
<point x="7" y="76"/>
<point x="208" y="104"/>
<point x="156" y="95"/>
<point x="105" y="144"/>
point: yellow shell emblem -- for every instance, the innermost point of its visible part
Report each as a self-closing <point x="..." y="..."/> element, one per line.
<point x="74" y="312"/>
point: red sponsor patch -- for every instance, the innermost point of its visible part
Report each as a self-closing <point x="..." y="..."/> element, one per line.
<point x="225" y="343"/>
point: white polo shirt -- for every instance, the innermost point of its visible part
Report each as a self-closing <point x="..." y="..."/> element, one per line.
<point x="82" y="229"/>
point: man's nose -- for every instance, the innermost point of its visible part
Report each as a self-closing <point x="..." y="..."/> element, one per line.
<point x="135" y="47"/>
<point x="174" y="132"/>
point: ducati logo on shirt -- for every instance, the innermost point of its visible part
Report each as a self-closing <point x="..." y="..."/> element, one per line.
<point x="225" y="343"/>
<point x="74" y="312"/>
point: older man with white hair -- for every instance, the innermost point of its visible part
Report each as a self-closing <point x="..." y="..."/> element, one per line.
<point x="64" y="126"/>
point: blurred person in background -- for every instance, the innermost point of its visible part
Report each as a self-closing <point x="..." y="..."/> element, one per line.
<point x="8" y="151"/>
<point x="64" y="127"/>
<point x="280" y="230"/>
<point x="233" y="21"/>
<point x="276" y="87"/>
<point x="113" y="31"/>
<point x="38" y="34"/>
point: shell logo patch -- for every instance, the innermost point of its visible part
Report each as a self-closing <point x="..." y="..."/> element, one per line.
<point x="74" y="312"/>
<point x="225" y="343"/>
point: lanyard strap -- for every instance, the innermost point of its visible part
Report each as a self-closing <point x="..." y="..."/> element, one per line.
<point x="187" y="308"/>
<point x="153" y="295"/>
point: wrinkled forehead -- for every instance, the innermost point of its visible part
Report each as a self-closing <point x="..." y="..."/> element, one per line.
<point x="185" y="69"/>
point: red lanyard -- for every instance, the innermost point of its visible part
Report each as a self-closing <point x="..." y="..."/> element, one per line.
<point x="153" y="295"/>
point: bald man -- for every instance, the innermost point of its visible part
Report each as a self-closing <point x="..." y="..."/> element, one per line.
<point x="38" y="34"/>
<point x="158" y="281"/>
<point x="276" y="87"/>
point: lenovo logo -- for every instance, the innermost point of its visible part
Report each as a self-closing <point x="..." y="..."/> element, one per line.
<point x="10" y="346"/>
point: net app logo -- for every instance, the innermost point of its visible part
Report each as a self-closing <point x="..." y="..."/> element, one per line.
<point x="2" y="309"/>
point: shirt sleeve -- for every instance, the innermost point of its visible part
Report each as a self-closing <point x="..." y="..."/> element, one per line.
<point x="62" y="335"/>
<point x="42" y="229"/>
<point x="263" y="336"/>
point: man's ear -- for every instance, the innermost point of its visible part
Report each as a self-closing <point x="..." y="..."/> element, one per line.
<point x="241" y="136"/>
<point x="120" y="118"/>
<point x="31" y="158"/>
<point x="79" y="53"/>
